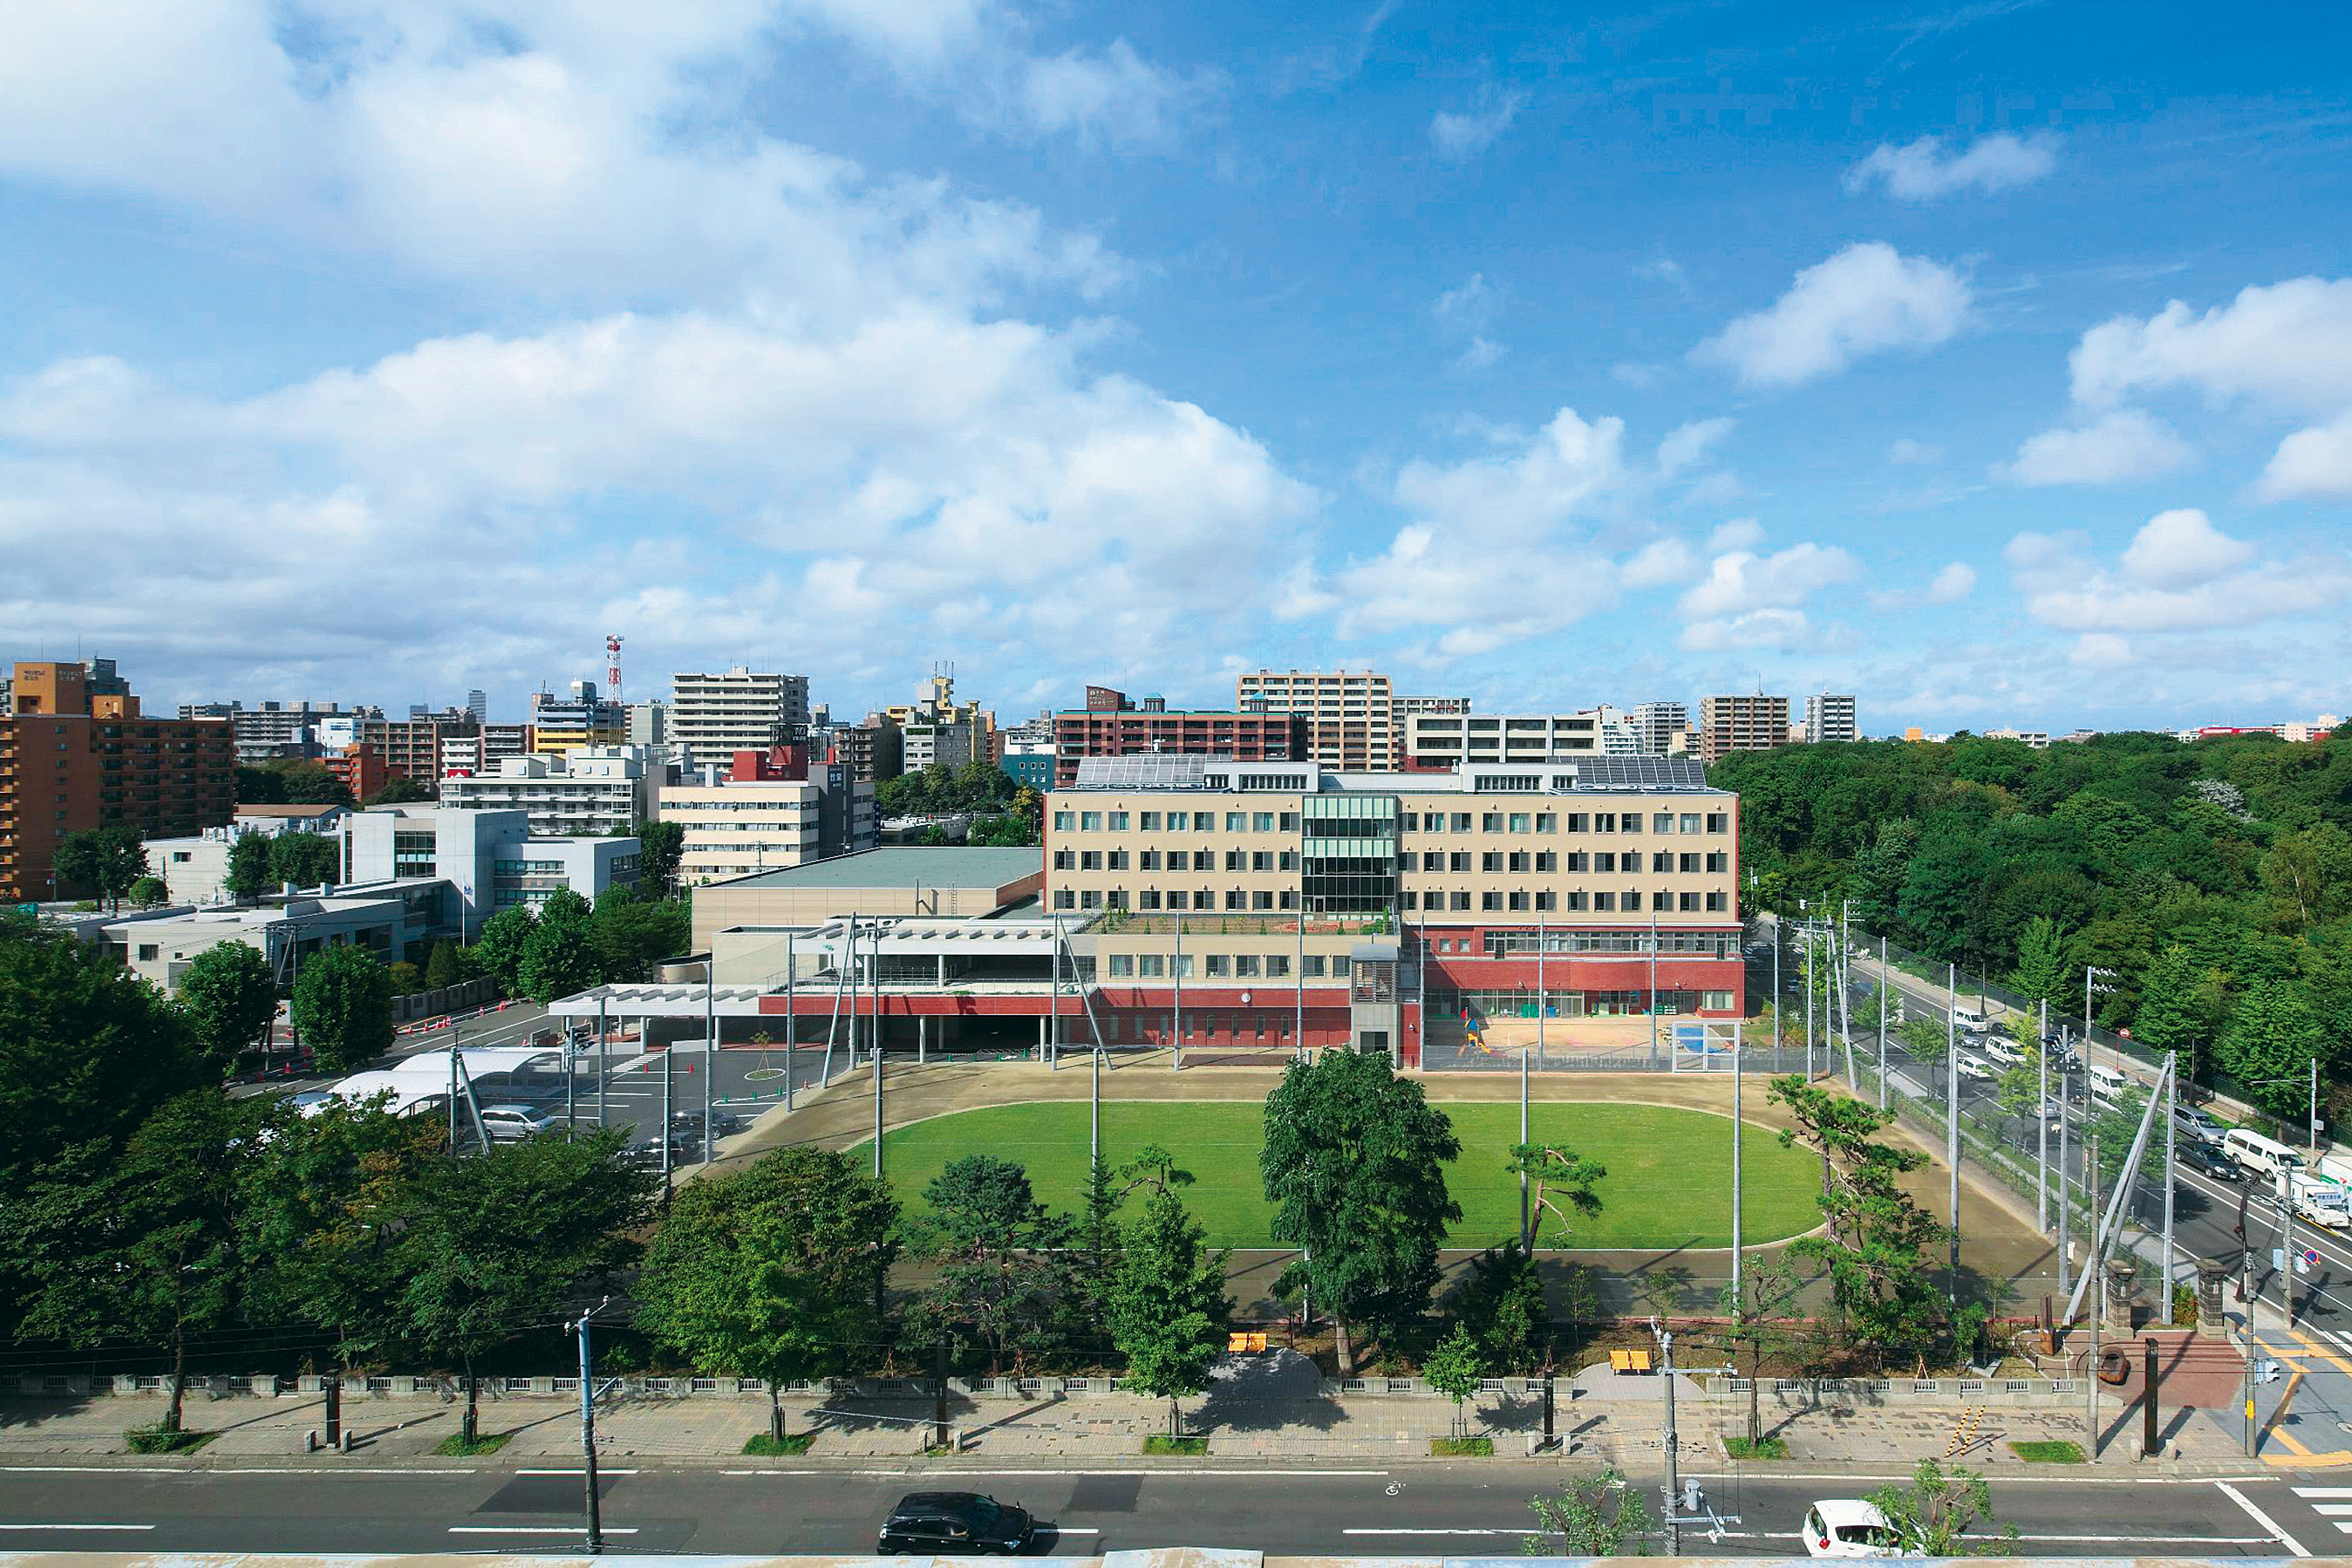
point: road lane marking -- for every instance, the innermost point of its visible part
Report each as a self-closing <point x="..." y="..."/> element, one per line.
<point x="2294" y="1546"/>
<point x="1283" y="1475"/>
<point x="2321" y="1351"/>
<point x="576" y="1470"/>
<point x="76" y="1527"/>
<point x="2324" y="1491"/>
<point x="533" y="1529"/>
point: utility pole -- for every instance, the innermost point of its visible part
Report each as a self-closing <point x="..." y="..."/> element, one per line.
<point x="1093" y="1119"/>
<point x="791" y="1029"/>
<point x="1527" y="1237"/>
<point x="605" y="1060"/>
<point x="2098" y="1300"/>
<point x="2065" y="1164"/>
<point x="588" y="1429"/>
<point x="1952" y="1117"/>
<point x="2171" y="1153"/>
<point x="1738" y="1050"/>
<point x="874" y="957"/>
<point x="2041" y="1121"/>
<point x="1777" y="1001"/>
<point x="1885" y="989"/>
<point x="709" y="1040"/>
<point x="1674" y="1484"/>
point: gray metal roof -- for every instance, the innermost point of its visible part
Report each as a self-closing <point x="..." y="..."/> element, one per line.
<point x="932" y="865"/>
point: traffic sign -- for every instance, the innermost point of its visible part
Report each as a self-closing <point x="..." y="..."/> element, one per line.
<point x="2311" y="1257"/>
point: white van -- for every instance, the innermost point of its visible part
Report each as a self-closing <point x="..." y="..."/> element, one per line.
<point x="2106" y="1083"/>
<point x="2260" y="1156"/>
<point x="1971" y="1021"/>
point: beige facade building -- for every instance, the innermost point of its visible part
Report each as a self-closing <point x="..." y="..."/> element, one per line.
<point x="1741" y="724"/>
<point x="739" y="830"/>
<point x="1353" y="721"/>
<point x="945" y="882"/>
<point x="717" y="714"/>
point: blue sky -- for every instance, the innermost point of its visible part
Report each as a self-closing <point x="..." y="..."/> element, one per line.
<point x="1991" y="361"/>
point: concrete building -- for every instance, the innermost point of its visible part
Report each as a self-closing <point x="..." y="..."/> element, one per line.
<point x="362" y="770"/>
<point x="717" y="714"/>
<point x="872" y="750"/>
<point x="76" y="753"/>
<point x="578" y="716"/>
<point x="1446" y="740"/>
<point x="194" y="866"/>
<point x="650" y="724"/>
<point x="489" y="858"/>
<point x="937" y="882"/>
<point x="1741" y="724"/>
<point x="938" y="730"/>
<point x="596" y="792"/>
<point x="275" y="730"/>
<point x="275" y="819"/>
<point x="1659" y="729"/>
<point x="480" y="751"/>
<point x="2039" y="739"/>
<point x="1352" y="718"/>
<point x="410" y="747"/>
<point x="1111" y="726"/>
<point x="477" y="703"/>
<point x="395" y="921"/>
<point x="767" y="810"/>
<point x="1830" y="720"/>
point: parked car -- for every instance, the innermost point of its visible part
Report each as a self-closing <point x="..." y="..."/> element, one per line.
<point x="1850" y="1527"/>
<point x="646" y="1152"/>
<point x="505" y="1123"/>
<point x="2199" y="1125"/>
<point x="2053" y="1111"/>
<point x="955" y="1524"/>
<point x="723" y="1123"/>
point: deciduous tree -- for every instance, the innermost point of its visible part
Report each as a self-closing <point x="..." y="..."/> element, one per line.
<point x="231" y="999"/>
<point x="1166" y="1306"/>
<point x="1598" y="1515"/>
<point x="250" y="874"/>
<point x="106" y="861"/>
<point x="500" y="948"/>
<point x="1455" y="1369"/>
<point x="343" y="1006"/>
<point x="305" y="860"/>
<point x="1933" y="1515"/>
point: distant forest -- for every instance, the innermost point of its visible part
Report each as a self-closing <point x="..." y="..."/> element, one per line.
<point x="2213" y="878"/>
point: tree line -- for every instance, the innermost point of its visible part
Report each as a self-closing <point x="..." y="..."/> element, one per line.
<point x="2212" y="879"/>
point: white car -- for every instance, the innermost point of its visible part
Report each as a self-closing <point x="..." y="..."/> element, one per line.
<point x="1849" y="1527"/>
<point x="505" y="1123"/>
<point x="2008" y="1052"/>
<point x="1969" y="1067"/>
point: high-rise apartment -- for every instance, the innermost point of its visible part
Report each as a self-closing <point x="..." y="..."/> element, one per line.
<point x="1741" y="724"/>
<point x="1659" y="729"/>
<point x="1352" y="718"/>
<point x="76" y="754"/>
<point x="1830" y="720"/>
<point x="579" y="716"/>
<point x="477" y="703"/>
<point x="740" y="710"/>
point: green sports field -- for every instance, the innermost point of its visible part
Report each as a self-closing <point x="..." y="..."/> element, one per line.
<point x="1669" y="1181"/>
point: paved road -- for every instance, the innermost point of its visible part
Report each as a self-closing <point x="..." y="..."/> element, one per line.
<point x="1422" y="1511"/>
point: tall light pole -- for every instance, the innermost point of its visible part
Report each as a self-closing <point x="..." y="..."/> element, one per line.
<point x="1952" y="1116"/>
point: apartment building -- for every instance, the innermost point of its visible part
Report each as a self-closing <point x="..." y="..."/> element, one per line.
<point x="719" y="713"/>
<point x="1741" y="724"/>
<point x="935" y="729"/>
<point x="76" y="753"/>
<point x="362" y="770"/>
<point x="1353" y="721"/>
<point x="274" y="729"/>
<point x="482" y="751"/>
<point x="1110" y="726"/>
<point x="1830" y="720"/>
<point x="1594" y="860"/>
<point x="1444" y="741"/>
<point x="1659" y="729"/>
<point x="767" y="811"/>
<point x="596" y="792"/>
<point x="578" y="716"/>
<point x="410" y="747"/>
<point x="872" y="750"/>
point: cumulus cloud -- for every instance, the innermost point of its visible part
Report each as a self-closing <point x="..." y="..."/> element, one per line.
<point x="1661" y="563"/>
<point x="1740" y="533"/>
<point x="1922" y="171"/>
<point x="1479" y="353"/>
<point x="1471" y="132"/>
<point x="1687" y="446"/>
<point x="2311" y="465"/>
<point x="1867" y="298"/>
<point x="1749" y="600"/>
<point x="2118" y="448"/>
<point x="1954" y="582"/>
<point x="2178" y="575"/>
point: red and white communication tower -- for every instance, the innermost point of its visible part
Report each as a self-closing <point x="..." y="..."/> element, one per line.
<point x="612" y="666"/>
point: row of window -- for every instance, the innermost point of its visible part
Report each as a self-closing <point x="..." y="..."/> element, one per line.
<point x="1543" y="862"/>
<point x="1175" y="860"/>
<point x="1237" y="901"/>
<point x="1177" y="821"/>
<point x="1222" y="966"/>
<point x="1628" y="822"/>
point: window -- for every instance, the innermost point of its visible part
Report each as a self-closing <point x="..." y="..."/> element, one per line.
<point x="1313" y="965"/>
<point x="1261" y="859"/>
<point x="1408" y="821"/>
<point x="1604" y="822"/>
<point x="1091" y="822"/>
<point x="1245" y="966"/>
<point x="1116" y="860"/>
<point x="1629" y="822"/>
<point x="1179" y="860"/>
<point x="1604" y="902"/>
<point x="1577" y="860"/>
<point x="1234" y="860"/>
<point x="1518" y="900"/>
<point x="1181" y="967"/>
<point x="1263" y="900"/>
<point x="1148" y="822"/>
<point x="1715" y="1001"/>
<point x="1122" y="965"/>
<point x="1119" y="822"/>
<point x="1202" y="899"/>
<point x="1490" y="822"/>
<point x="1718" y="822"/>
<point x="1261" y="822"/>
<point x="1147" y="860"/>
<point x="1491" y="861"/>
<point x="1490" y="900"/>
<point x="1662" y="899"/>
<point x="1151" y="899"/>
<point x="1687" y="901"/>
<point x="1091" y="900"/>
<point x="1290" y="822"/>
<point x="1547" y="862"/>
<point x="1090" y="860"/>
<point x="147" y="952"/>
<point x="1605" y="860"/>
<point x="1235" y="899"/>
<point x="1278" y="966"/>
<point x="1661" y="861"/>
<point x="1432" y="860"/>
<point x="1575" y="900"/>
<point x="1521" y="822"/>
<point x="1063" y="821"/>
<point x="1663" y="821"/>
<point x="1408" y="901"/>
<point x="1520" y="861"/>
<point x="1718" y="861"/>
<point x="1064" y="861"/>
<point x="1545" y="901"/>
<point x="1461" y="821"/>
<point x="1462" y="901"/>
<point x="1150" y="965"/>
<point x="1689" y="864"/>
<point x="1718" y="903"/>
<point x="1690" y="821"/>
<point x="1546" y="821"/>
<point x="1234" y="819"/>
<point x="1220" y="966"/>
<point x="1064" y="898"/>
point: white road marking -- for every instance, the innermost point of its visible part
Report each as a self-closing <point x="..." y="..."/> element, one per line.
<point x="2331" y="1510"/>
<point x="2294" y="1546"/>
<point x="76" y="1527"/>
<point x="1133" y="1470"/>
<point x="2323" y="1491"/>
<point x="530" y="1530"/>
<point x="1072" y="1530"/>
<point x="210" y="1470"/>
<point x="1368" y="1532"/>
<point x="576" y="1470"/>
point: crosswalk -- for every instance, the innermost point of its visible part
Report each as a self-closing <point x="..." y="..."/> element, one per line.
<point x="2333" y="1504"/>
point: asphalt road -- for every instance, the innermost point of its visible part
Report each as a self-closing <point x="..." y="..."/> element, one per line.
<point x="1420" y="1511"/>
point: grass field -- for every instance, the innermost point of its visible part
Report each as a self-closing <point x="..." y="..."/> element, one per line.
<point x="1669" y="1181"/>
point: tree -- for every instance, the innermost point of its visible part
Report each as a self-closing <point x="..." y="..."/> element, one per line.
<point x="997" y="1256"/>
<point x="87" y="1048"/>
<point x="107" y="860"/>
<point x="442" y="967"/>
<point x="1764" y="1311"/>
<point x="660" y="845"/>
<point x="631" y="935"/>
<point x="231" y="999"/>
<point x="2117" y="1127"/>
<point x="1501" y="1302"/>
<point x="1455" y="1369"/>
<point x="1354" y="1164"/>
<point x="260" y="786"/>
<point x="768" y="1273"/>
<point x="559" y="957"/>
<point x="305" y="860"/>
<point x="2020" y="1088"/>
<point x="499" y="950"/>
<point x="142" y="1244"/>
<point x="1593" y="1516"/>
<point x="343" y="1006"/>
<point x="2041" y="960"/>
<point x="1932" y="1515"/>
<point x="2170" y="1017"/>
<point x="147" y="892"/>
<point x="2270" y="1046"/>
<point x="1556" y="1173"/>
<point x="250" y="874"/>
<point x="307" y="784"/>
<point x="1166" y="1306"/>
<point x="491" y="1244"/>
<point x="400" y="790"/>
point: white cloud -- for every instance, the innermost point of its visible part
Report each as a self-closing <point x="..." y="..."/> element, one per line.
<point x="1479" y="354"/>
<point x="1748" y="600"/>
<point x="2120" y="447"/>
<point x="1687" y="445"/>
<point x="1740" y="533"/>
<point x="2311" y="465"/>
<point x="1866" y="299"/>
<point x="1923" y="170"/>
<point x="1641" y="377"/>
<point x="2101" y="651"/>
<point x="1473" y="131"/>
<point x="1907" y="450"/>
<point x="2179" y="574"/>
<point x="1469" y="305"/>
<point x="1661" y="563"/>
<point x="2288" y="345"/>
<point x="1113" y="96"/>
<point x="1747" y="629"/>
<point x="1954" y="582"/>
<point x="1560" y="471"/>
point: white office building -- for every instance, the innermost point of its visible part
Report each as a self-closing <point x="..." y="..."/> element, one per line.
<point x="490" y="857"/>
<point x="740" y="710"/>
<point x="590" y="792"/>
<point x="1830" y="720"/>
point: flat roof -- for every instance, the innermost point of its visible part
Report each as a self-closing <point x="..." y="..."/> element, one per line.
<point x="932" y="866"/>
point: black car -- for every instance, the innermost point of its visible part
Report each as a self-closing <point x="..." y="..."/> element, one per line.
<point x="955" y="1524"/>
<point x="2206" y="1160"/>
<point x="723" y="1123"/>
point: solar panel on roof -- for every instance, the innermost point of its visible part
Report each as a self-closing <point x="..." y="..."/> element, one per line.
<point x="1148" y="770"/>
<point x="1640" y="773"/>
